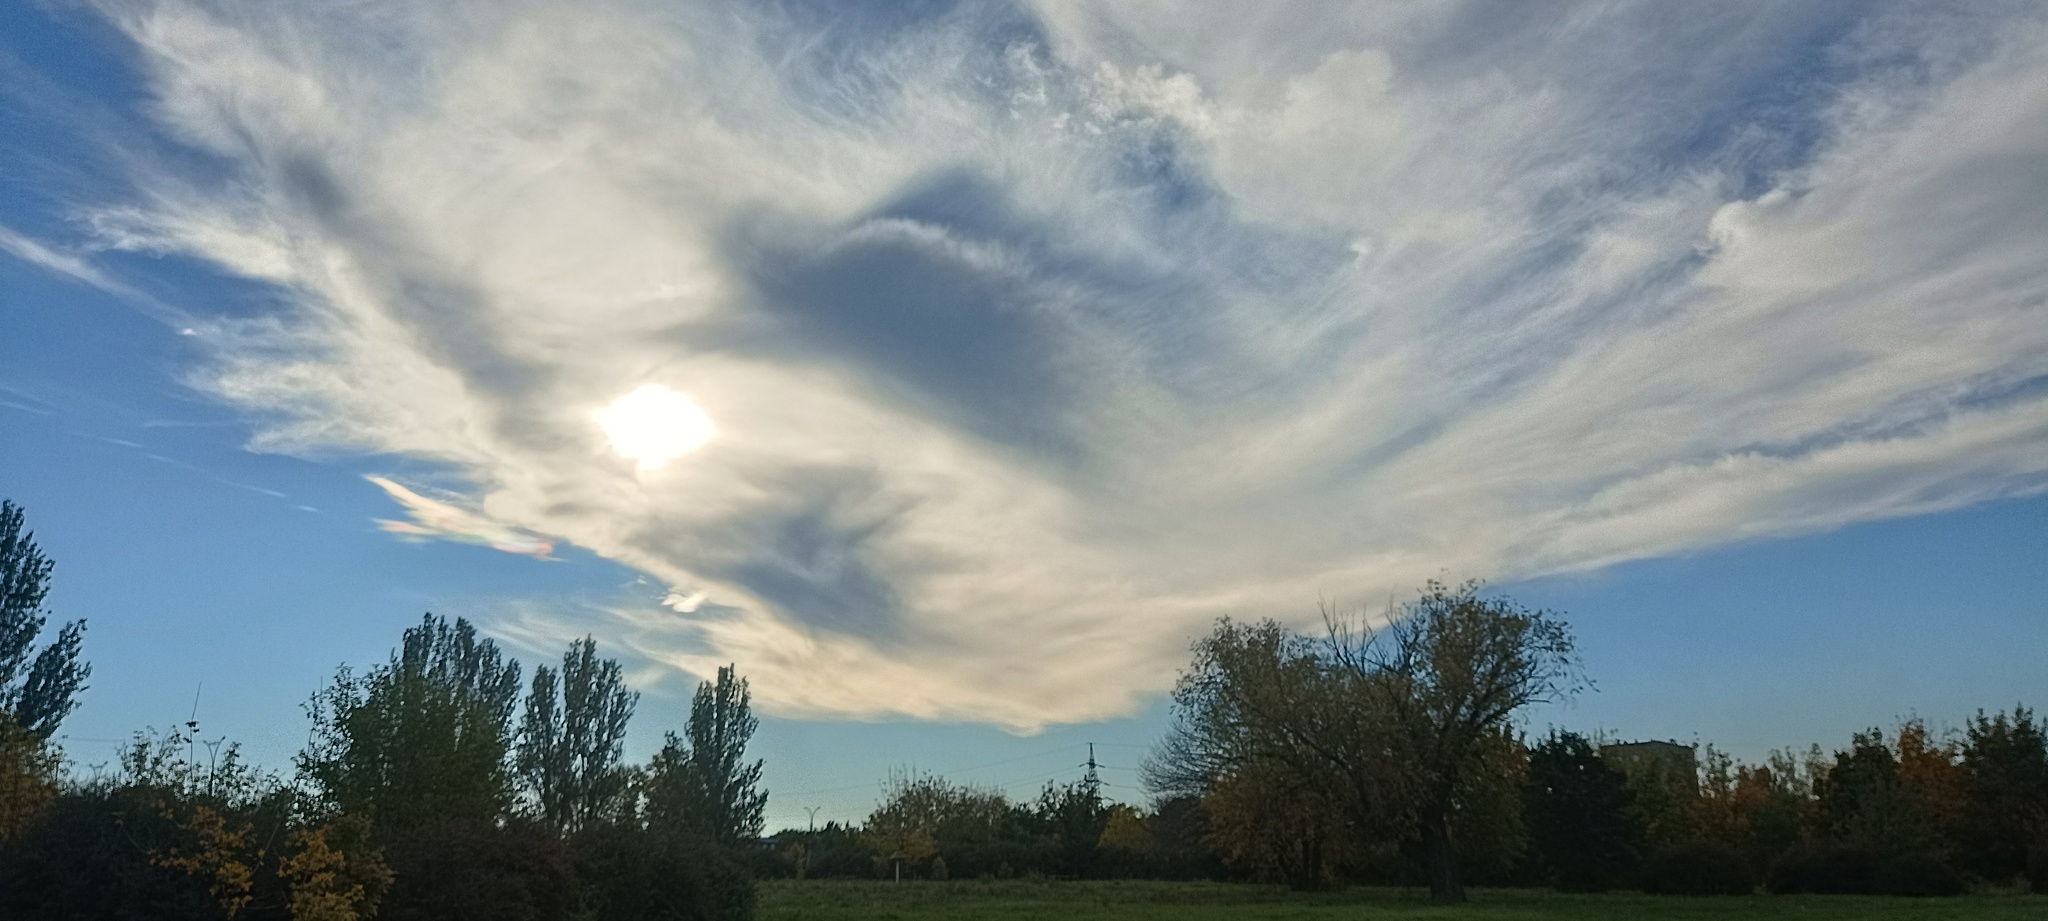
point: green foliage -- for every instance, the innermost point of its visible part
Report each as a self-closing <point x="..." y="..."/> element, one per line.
<point x="1124" y="900"/>
<point x="89" y="856"/>
<point x="832" y="850"/>
<point x="166" y="836"/>
<point x="421" y="738"/>
<point x="1584" y="834"/>
<point x="652" y="874"/>
<point x="1180" y="831"/>
<point x="2005" y="816"/>
<point x="1759" y="811"/>
<point x="1279" y="760"/>
<point x="476" y="869"/>
<point x="923" y="817"/>
<point x="1126" y="845"/>
<point x="410" y="815"/>
<point x="37" y="692"/>
<point x="1390" y="731"/>
<point x="334" y="872"/>
<point x="30" y="768"/>
<point x="1664" y="794"/>
<point x="572" y="738"/>
<point x="701" y="781"/>
<point x="1070" y="819"/>
<point x="1449" y="674"/>
<point x="1864" y="803"/>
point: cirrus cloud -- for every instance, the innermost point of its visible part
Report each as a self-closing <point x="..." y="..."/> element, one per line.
<point x="1037" y="337"/>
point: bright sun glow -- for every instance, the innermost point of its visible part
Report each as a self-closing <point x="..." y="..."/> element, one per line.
<point x="654" y="425"/>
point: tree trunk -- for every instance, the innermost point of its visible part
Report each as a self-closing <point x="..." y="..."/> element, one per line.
<point x="1440" y="856"/>
<point x="1306" y="874"/>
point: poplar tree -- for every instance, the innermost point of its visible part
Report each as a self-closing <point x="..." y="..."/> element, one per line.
<point x="424" y="736"/>
<point x="36" y="692"/>
<point x="702" y="782"/>
<point x="572" y="738"/>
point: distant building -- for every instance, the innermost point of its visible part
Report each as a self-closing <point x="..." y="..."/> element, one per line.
<point x="1656" y="762"/>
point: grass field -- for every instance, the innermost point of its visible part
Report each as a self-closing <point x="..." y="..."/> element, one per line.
<point x="1023" y="900"/>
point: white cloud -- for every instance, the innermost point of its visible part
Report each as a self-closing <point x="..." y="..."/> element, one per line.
<point x="433" y="518"/>
<point x="1036" y="340"/>
<point x="78" y="268"/>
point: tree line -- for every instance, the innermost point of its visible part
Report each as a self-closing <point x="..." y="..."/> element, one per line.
<point x="1387" y="753"/>
<point x="443" y="783"/>
<point x="436" y="785"/>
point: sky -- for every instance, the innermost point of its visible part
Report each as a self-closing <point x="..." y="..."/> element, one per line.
<point x="949" y="367"/>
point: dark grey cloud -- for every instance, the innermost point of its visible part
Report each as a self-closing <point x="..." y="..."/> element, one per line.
<point x="933" y="298"/>
<point x="809" y="551"/>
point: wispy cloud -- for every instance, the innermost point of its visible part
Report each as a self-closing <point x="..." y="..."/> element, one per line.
<point x="432" y="518"/>
<point x="28" y="250"/>
<point x="79" y="269"/>
<point x="1036" y="337"/>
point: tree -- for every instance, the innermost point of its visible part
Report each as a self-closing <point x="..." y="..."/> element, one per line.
<point x="333" y="872"/>
<point x="963" y="829"/>
<point x="1270" y="826"/>
<point x="39" y="692"/>
<point x="166" y="835"/>
<point x="1126" y="842"/>
<point x="1181" y="839"/>
<point x="422" y="737"/>
<point x="1864" y="803"/>
<point x="1071" y="818"/>
<point x="1401" y="729"/>
<point x="2005" y="816"/>
<point x="571" y="740"/>
<point x="1582" y="833"/>
<point x="1448" y="675"/>
<point x="703" y="782"/>
<point x="907" y="824"/>
<point x="29" y="771"/>
<point x="1280" y="760"/>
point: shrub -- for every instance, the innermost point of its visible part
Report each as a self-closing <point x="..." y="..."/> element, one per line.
<point x="1919" y="875"/>
<point x="632" y="874"/>
<point x="1825" y="870"/>
<point x="89" y="855"/>
<point x="456" y="870"/>
<point x="2037" y="865"/>
<point x="1700" y="868"/>
<point x="1849" y="870"/>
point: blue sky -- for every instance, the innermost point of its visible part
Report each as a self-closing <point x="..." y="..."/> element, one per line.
<point x="996" y="349"/>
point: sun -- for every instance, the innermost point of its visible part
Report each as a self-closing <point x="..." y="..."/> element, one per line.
<point x="654" y="425"/>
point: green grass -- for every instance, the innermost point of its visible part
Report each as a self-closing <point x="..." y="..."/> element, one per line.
<point x="1031" y="900"/>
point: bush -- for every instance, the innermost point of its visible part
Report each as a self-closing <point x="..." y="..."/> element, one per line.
<point x="1700" y="868"/>
<point x="457" y="870"/>
<point x="1848" y="870"/>
<point x="632" y="874"/>
<point x="1919" y="875"/>
<point x="88" y="855"/>
<point x="2037" y="866"/>
<point x="1828" y="870"/>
